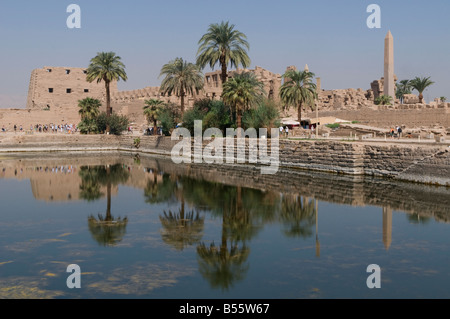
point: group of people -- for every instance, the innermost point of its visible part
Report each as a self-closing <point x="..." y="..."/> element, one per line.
<point x="149" y="131"/>
<point x="397" y="130"/>
<point x="45" y="128"/>
<point x="284" y="131"/>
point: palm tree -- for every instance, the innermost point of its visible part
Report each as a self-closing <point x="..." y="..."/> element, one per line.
<point x="224" y="45"/>
<point x="298" y="89"/>
<point x="420" y="84"/>
<point x="443" y="99"/>
<point x="152" y="110"/>
<point x="383" y="100"/>
<point x="89" y="108"/>
<point x="106" y="67"/>
<point x="404" y="87"/>
<point x="242" y="91"/>
<point x="181" y="78"/>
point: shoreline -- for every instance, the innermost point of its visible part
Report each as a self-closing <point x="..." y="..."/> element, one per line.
<point x="425" y="163"/>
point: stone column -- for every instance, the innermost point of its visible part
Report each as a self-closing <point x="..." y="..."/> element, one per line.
<point x="389" y="83"/>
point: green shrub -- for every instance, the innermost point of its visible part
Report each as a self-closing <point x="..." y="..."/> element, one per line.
<point x="333" y="125"/>
<point x="169" y="117"/>
<point x="214" y="114"/>
<point x="137" y="142"/>
<point x="383" y="100"/>
<point x="266" y="115"/>
<point x="88" y="126"/>
<point x="117" y="123"/>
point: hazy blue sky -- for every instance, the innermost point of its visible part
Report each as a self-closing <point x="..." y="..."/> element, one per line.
<point x="330" y="36"/>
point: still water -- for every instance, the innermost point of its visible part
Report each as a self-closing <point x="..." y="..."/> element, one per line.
<point x="143" y="227"/>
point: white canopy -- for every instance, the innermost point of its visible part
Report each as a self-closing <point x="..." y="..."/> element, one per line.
<point x="289" y="122"/>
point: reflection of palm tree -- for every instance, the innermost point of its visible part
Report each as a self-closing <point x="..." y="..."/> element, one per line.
<point x="108" y="231"/>
<point x="181" y="230"/>
<point x="224" y="265"/>
<point x="297" y="215"/>
<point x="243" y="212"/>
<point x="161" y="192"/>
<point x="90" y="186"/>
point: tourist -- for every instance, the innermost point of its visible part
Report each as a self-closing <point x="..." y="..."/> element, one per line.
<point x="287" y="131"/>
<point x="392" y="132"/>
<point x="15" y="128"/>
<point x="3" y="129"/>
<point x="399" y="131"/>
<point x="281" y="130"/>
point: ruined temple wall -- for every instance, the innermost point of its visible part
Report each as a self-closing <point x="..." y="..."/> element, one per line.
<point x="62" y="87"/>
<point x="271" y="82"/>
<point x="411" y="116"/>
<point x="27" y="117"/>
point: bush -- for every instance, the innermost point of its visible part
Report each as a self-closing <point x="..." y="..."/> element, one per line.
<point x="117" y="123"/>
<point x="214" y="114"/>
<point x="383" y="100"/>
<point x="88" y="126"/>
<point x="169" y="118"/>
<point x="265" y="115"/>
<point x="190" y="116"/>
<point x="333" y="125"/>
<point x="137" y="142"/>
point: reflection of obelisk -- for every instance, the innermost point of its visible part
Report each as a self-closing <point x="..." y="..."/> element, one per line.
<point x="387" y="227"/>
<point x="389" y="86"/>
<point x="317" y="229"/>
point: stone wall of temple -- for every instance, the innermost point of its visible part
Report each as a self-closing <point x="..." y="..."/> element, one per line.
<point x="61" y="88"/>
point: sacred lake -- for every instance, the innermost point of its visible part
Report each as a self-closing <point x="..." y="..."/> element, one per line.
<point x="144" y="227"/>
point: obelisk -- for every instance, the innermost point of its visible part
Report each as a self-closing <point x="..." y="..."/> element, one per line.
<point x="389" y="86"/>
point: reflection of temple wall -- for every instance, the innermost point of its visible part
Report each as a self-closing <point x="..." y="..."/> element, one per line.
<point x="51" y="180"/>
<point x="55" y="187"/>
<point x="350" y="190"/>
<point x="60" y="188"/>
<point x="343" y="189"/>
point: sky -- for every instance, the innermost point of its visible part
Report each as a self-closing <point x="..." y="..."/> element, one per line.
<point x="331" y="36"/>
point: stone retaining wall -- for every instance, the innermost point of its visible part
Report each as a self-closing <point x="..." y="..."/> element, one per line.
<point x="425" y="163"/>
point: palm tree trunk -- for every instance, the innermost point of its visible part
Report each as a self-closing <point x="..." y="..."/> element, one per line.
<point x="299" y="113"/>
<point x="420" y="98"/>
<point x="108" y="106"/>
<point x="155" y="127"/>
<point x="239" y="121"/>
<point x="224" y="74"/>
<point x="182" y="102"/>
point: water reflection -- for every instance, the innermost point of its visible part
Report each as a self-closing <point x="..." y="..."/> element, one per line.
<point x="298" y="215"/>
<point x="181" y="200"/>
<point x="387" y="227"/>
<point x="106" y="230"/>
